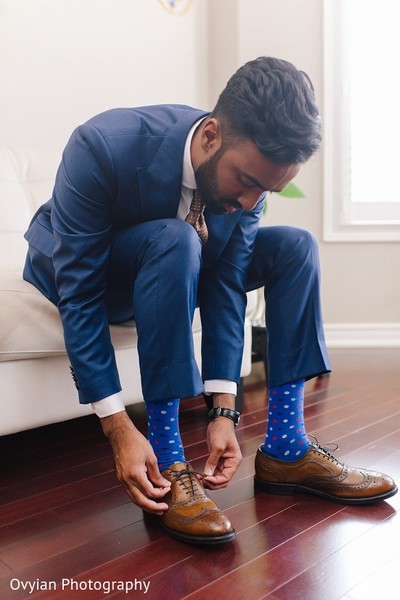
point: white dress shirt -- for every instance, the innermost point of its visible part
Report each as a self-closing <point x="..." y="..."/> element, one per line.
<point x="113" y="404"/>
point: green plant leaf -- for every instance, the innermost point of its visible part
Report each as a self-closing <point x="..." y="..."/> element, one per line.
<point x="292" y="191"/>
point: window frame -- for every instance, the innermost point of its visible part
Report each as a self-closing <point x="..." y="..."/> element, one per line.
<point x="344" y="219"/>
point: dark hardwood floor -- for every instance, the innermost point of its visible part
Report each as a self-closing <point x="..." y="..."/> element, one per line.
<point x="63" y="515"/>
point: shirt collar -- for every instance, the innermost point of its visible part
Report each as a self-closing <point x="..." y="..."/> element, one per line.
<point x="188" y="178"/>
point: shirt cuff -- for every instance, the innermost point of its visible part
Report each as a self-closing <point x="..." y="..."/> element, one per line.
<point x="223" y="386"/>
<point x="108" y="406"/>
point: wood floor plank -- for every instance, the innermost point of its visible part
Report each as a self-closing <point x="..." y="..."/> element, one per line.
<point x="293" y="560"/>
<point x="72" y="563"/>
<point x="384" y="582"/>
<point x="42" y="484"/>
<point x="94" y="503"/>
<point x="201" y="564"/>
<point x="47" y="543"/>
<point x="209" y="568"/>
<point x="63" y="514"/>
<point x="31" y="505"/>
<point x="351" y="563"/>
<point x="25" y="528"/>
<point x="5" y="572"/>
<point x="30" y="472"/>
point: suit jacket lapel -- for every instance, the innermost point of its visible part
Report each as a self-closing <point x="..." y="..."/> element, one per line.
<point x="160" y="188"/>
<point x="162" y="180"/>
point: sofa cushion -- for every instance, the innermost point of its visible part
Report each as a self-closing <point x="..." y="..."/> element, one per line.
<point x="30" y="325"/>
<point x="26" y="182"/>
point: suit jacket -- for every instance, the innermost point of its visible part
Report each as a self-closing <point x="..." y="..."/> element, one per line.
<point x="121" y="168"/>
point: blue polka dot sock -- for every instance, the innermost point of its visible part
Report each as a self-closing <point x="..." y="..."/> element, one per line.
<point x="286" y="438"/>
<point x="163" y="432"/>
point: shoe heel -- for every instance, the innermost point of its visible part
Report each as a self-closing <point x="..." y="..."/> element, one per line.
<point x="280" y="489"/>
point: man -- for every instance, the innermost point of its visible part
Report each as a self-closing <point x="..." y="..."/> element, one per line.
<point x="125" y="236"/>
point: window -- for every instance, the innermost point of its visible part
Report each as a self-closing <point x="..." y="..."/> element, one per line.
<point x="361" y="120"/>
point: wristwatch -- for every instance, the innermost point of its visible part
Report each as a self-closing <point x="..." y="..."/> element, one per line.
<point x="216" y="412"/>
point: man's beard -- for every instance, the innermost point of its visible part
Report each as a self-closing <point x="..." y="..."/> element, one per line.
<point x="207" y="186"/>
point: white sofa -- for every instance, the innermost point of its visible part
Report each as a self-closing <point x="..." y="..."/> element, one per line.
<point x="36" y="385"/>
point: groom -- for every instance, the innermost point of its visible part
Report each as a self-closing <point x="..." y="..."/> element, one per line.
<point x="156" y="210"/>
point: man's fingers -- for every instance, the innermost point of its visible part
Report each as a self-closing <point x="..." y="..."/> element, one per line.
<point x="220" y="469"/>
<point x="136" y="464"/>
<point x="212" y="463"/>
<point x="145" y="503"/>
<point x="151" y="490"/>
<point x="220" y="478"/>
<point x="215" y="483"/>
<point x="142" y="492"/>
<point x="154" y="475"/>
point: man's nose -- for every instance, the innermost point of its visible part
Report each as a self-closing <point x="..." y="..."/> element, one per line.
<point x="249" y="198"/>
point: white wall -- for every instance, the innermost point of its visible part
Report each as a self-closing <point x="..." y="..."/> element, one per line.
<point x="361" y="283"/>
<point x="62" y="61"/>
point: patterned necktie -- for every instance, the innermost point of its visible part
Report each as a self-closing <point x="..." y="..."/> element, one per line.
<point x="196" y="217"/>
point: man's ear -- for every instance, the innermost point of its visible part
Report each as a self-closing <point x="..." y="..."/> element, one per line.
<point x="211" y="135"/>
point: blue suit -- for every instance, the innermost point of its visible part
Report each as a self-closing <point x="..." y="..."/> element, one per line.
<point x="107" y="247"/>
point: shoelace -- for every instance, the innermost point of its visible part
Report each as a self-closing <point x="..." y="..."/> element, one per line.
<point x="190" y="482"/>
<point x="325" y="448"/>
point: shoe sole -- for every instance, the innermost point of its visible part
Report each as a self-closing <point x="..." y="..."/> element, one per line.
<point x="288" y="489"/>
<point x="203" y="540"/>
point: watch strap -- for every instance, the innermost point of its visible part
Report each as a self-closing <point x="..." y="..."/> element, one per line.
<point x="218" y="411"/>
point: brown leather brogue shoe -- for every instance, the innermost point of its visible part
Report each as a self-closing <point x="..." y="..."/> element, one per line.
<point x="192" y="516"/>
<point x="321" y="474"/>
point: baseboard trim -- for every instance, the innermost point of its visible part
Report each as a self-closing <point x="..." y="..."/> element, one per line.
<point x="362" y="335"/>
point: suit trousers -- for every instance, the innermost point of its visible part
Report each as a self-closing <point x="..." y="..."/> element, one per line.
<point x="153" y="277"/>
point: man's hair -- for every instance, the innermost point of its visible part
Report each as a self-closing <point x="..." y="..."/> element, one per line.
<point x="271" y="103"/>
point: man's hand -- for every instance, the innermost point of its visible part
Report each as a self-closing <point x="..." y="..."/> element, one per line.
<point x="225" y="455"/>
<point x="135" y="463"/>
